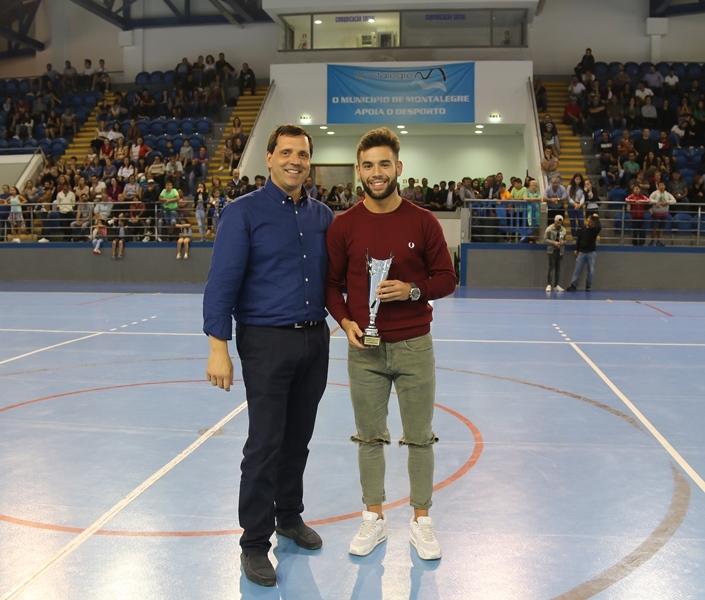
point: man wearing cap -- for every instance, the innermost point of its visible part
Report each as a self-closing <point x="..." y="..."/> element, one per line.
<point x="554" y="238"/>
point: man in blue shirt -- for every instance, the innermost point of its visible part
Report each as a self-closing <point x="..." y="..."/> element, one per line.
<point x="268" y="271"/>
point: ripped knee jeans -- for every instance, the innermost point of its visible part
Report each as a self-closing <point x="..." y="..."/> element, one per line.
<point x="409" y="365"/>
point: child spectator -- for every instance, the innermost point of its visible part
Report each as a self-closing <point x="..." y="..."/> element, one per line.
<point x="637" y="202"/>
<point x="15" y="218"/>
<point x="660" y="201"/>
<point x="99" y="234"/>
<point x="118" y="233"/>
<point x="184" y="239"/>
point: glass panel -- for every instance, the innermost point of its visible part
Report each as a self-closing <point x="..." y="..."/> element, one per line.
<point x="295" y="33"/>
<point x="356" y="30"/>
<point x="508" y="28"/>
<point x="446" y="28"/>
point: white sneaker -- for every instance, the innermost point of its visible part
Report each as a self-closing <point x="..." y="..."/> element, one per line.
<point x="146" y="238"/>
<point x="548" y="288"/>
<point x="373" y="532"/>
<point x="15" y="240"/>
<point x="558" y="288"/>
<point x="423" y="538"/>
<point x="43" y="241"/>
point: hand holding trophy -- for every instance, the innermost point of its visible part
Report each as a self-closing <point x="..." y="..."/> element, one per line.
<point x="377" y="271"/>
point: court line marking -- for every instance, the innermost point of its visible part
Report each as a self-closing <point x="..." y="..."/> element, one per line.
<point x="9" y="360"/>
<point x="114" y="510"/>
<point x="675" y="455"/>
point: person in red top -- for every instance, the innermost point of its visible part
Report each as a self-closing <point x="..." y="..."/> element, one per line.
<point x="637" y="204"/>
<point x="380" y="226"/>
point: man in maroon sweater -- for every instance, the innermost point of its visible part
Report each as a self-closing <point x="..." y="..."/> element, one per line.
<point x="384" y="224"/>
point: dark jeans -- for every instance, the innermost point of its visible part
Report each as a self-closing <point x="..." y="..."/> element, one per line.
<point x="285" y="373"/>
<point x="554" y="268"/>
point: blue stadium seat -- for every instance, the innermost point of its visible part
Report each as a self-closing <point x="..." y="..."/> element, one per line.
<point x="644" y="69"/>
<point x="693" y="70"/>
<point x="57" y="148"/>
<point x="150" y="140"/>
<point x="663" y="68"/>
<point x="178" y="141"/>
<point x="600" y="71"/>
<point x="29" y="143"/>
<point x="632" y="69"/>
<point x="612" y="69"/>
<point x="3" y="143"/>
<point x="188" y="126"/>
<point x="162" y="142"/>
<point x="156" y="127"/>
<point x="142" y="79"/>
<point x="169" y="77"/>
<point x="695" y="157"/>
<point x="682" y="224"/>
<point x="616" y="197"/>
<point x="622" y="222"/>
<point x="204" y="125"/>
<point x="143" y="124"/>
<point x="688" y="175"/>
<point x="196" y="142"/>
<point x="156" y="78"/>
<point x="680" y="156"/>
<point x="11" y="87"/>
<point x="172" y="126"/>
<point x="678" y="69"/>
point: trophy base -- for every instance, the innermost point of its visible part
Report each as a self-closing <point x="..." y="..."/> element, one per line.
<point x="371" y="340"/>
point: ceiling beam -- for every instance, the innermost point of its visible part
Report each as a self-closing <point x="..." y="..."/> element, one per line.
<point x="104" y="13"/>
<point x="226" y="13"/>
<point x="239" y="10"/>
<point x="22" y="39"/>
<point x="173" y="8"/>
<point x="666" y="8"/>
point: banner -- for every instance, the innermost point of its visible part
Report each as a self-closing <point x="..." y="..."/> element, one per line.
<point x="427" y="94"/>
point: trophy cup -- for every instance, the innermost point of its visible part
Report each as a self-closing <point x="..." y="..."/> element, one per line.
<point x="377" y="271"/>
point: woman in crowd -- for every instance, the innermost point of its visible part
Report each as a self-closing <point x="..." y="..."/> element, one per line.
<point x="576" y="203"/>
<point x="549" y="165"/>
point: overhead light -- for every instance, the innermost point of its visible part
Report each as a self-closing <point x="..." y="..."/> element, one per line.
<point x="403" y="131"/>
<point x="324" y="127"/>
<point x="318" y="22"/>
<point x="305" y="118"/>
<point x="478" y="131"/>
<point x="479" y="126"/>
<point x="495" y="118"/>
<point x="371" y="20"/>
<point x="330" y="132"/>
<point x="400" y="126"/>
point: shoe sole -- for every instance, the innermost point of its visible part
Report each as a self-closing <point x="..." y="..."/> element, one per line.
<point x="356" y="552"/>
<point x="256" y="579"/>
<point x="423" y="555"/>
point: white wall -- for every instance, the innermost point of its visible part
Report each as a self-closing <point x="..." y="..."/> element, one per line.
<point x="616" y="30"/>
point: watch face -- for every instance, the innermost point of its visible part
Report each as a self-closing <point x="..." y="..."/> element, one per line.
<point x="415" y="293"/>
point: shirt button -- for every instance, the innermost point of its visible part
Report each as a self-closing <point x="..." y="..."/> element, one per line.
<point x="304" y="256"/>
<point x="283" y="202"/>
<point x="306" y="279"/>
<point x="301" y="234"/>
<point x="306" y="301"/>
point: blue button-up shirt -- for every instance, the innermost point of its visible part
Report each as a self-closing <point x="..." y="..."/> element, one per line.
<point x="269" y="262"/>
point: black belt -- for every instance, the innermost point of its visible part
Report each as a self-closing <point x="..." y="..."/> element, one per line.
<point x="302" y="325"/>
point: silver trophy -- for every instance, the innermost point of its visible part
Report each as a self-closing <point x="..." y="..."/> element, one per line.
<point x="377" y="271"/>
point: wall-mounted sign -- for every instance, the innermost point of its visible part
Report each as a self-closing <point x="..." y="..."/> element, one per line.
<point x="425" y="94"/>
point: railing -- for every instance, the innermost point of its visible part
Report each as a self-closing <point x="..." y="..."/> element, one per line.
<point x="45" y="223"/>
<point x="522" y="221"/>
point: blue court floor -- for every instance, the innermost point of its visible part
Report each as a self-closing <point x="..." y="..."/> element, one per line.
<point x="570" y="465"/>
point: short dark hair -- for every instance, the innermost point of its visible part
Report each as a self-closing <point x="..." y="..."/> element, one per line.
<point x="378" y="137"/>
<point x="288" y="130"/>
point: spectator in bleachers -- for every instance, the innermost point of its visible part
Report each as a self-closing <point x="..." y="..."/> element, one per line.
<point x="65" y="206"/>
<point x="247" y="80"/>
<point x="666" y="115"/>
<point x="586" y="64"/>
<point x="575" y="195"/>
<point x="186" y="155"/>
<point x="67" y="122"/>
<point x="691" y="138"/>
<point x="654" y="180"/>
<point x="135" y="219"/>
<point x="597" y="114"/>
<point x="637" y="203"/>
<point x="614" y="111"/>
<point x="81" y="226"/>
<point x="106" y="153"/>
<point x="644" y="145"/>
<point x="696" y="195"/>
<point x="165" y="106"/>
<point x="693" y="93"/>
<point x="102" y="207"/>
<point x="573" y="116"/>
<point x="663" y="145"/>
<point x="642" y="93"/>
<point x="94" y="169"/>
<point x="699" y="116"/>
<point x="86" y="79"/>
<point x="684" y="110"/>
<point x="199" y="168"/>
<point x="175" y="170"/>
<point x="117" y="233"/>
<point x="649" y="114"/>
<point x="666" y="167"/>
<point x="549" y="165"/>
<point x="69" y="77"/>
<point x="576" y="89"/>
<point x="125" y="171"/>
<point x="157" y="171"/>
<point x="15" y="219"/>
<point x="237" y="131"/>
<point x="592" y="199"/>
<point x="554" y="238"/>
<point x="550" y="139"/>
<point x="630" y="168"/>
<point x="101" y="78"/>
<point x="678" y="188"/>
<point x="115" y="133"/>
<point x="182" y="70"/>
<point x="632" y="114"/>
<point x="97" y="187"/>
<point x="216" y="201"/>
<point x="625" y="145"/>
<point x="133" y="132"/>
<point x="52" y="125"/>
<point x="541" y="95"/>
<point x="130" y="188"/>
<point x="184" y="239"/>
<point x="113" y="191"/>
<point x="227" y="156"/>
<point x="660" y="201"/>
<point x="39" y="110"/>
<point x="200" y="205"/>
<point x="654" y="80"/>
<point x="209" y="70"/>
<point x="99" y="235"/>
<point x="651" y="164"/>
<point x="670" y="82"/>
<point x="197" y="69"/>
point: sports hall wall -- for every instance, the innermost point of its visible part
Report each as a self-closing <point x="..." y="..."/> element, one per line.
<point x="557" y="38"/>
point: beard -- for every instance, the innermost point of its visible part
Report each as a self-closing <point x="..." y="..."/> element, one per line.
<point x="385" y="193"/>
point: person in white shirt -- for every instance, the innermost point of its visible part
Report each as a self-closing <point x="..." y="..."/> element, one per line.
<point x="660" y="202"/>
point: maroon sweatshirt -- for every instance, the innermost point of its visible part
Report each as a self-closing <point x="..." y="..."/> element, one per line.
<point x="415" y="238"/>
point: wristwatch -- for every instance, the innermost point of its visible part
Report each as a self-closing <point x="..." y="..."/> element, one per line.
<point x="414" y="291"/>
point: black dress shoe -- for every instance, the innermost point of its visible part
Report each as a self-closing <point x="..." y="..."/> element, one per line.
<point x="258" y="569"/>
<point x="303" y="536"/>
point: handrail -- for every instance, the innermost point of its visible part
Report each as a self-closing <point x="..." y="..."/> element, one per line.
<point x="254" y="125"/>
